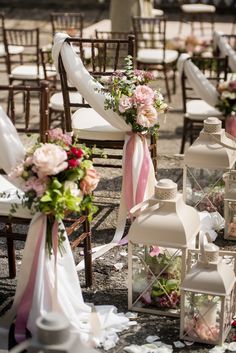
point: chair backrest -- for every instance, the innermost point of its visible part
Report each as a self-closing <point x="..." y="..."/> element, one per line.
<point x="32" y="117"/>
<point x="101" y="57"/>
<point x="2" y="25"/>
<point x="111" y="34"/>
<point x="150" y="32"/>
<point x="71" y="23"/>
<point x="214" y="69"/>
<point x="27" y="38"/>
<point x="49" y="68"/>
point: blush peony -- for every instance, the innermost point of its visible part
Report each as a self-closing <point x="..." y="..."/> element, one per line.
<point x="49" y="159"/>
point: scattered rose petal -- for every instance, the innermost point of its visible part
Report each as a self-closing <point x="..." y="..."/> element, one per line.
<point x="123" y="253"/>
<point x="218" y="349"/>
<point x="133" y="348"/>
<point x="108" y="344"/>
<point x="130" y="315"/>
<point x="189" y="343"/>
<point x="118" y="266"/>
<point x="151" y="339"/>
<point x="232" y="347"/>
<point x="179" y="344"/>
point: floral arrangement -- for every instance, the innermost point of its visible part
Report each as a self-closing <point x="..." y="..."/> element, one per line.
<point x="191" y="45"/>
<point x="227" y="99"/>
<point x="164" y="292"/>
<point x="57" y="177"/>
<point x="128" y="94"/>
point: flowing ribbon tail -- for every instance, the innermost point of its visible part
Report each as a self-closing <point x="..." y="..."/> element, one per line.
<point x="27" y="298"/>
<point x="144" y="173"/>
<point x="128" y="173"/>
<point x="55" y="250"/>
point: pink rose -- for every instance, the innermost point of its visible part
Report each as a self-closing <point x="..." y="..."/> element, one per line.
<point x="38" y="185"/>
<point x="49" y="159"/>
<point x="143" y="95"/>
<point x="147" y="116"/>
<point x="90" y="181"/>
<point x="125" y="103"/>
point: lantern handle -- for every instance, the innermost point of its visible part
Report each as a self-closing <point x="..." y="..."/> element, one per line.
<point x="222" y="143"/>
<point x="143" y="206"/>
<point x="202" y="247"/>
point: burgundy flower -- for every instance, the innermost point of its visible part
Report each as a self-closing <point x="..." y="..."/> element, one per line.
<point x="73" y="163"/>
<point x="77" y="152"/>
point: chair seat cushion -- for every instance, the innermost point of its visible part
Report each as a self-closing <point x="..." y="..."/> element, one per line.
<point x="13" y="50"/>
<point x="10" y="198"/>
<point x="155" y="56"/>
<point x="88" y="124"/>
<point x="200" y="110"/>
<point x="56" y="100"/>
<point x="198" y="8"/>
<point x="24" y="72"/>
<point x="157" y="12"/>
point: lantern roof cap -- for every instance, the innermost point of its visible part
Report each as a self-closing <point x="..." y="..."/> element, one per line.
<point x="165" y="220"/>
<point x="213" y="149"/>
<point x="216" y="279"/>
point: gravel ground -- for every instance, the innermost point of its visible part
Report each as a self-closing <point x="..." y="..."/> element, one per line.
<point x="110" y="285"/>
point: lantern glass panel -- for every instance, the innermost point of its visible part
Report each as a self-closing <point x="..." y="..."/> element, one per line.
<point x="229" y="311"/>
<point x="205" y="189"/>
<point x="202" y="314"/>
<point x="156" y="277"/>
<point x="230" y="218"/>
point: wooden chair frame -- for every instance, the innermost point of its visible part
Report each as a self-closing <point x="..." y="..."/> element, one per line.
<point x="215" y="69"/>
<point x="73" y="225"/>
<point x="150" y="33"/>
<point x="68" y="22"/>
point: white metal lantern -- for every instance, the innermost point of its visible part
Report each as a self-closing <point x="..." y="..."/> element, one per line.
<point x="230" y="205"/>
<point x="207" y="298"/>
<point x="207" y="159"/>
<point x="158" y="242"/>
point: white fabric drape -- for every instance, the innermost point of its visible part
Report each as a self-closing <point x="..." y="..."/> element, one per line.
<point x="220" y="42"/>
<point x="200" y="84"/>
<point x="9" y="157"/>
<point x="56" y="284"/>
<point x="89" y="88"/>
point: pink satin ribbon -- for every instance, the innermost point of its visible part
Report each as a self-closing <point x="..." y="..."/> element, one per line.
<point x="25" y="305"/>
<point x="27" y="297"/>
<point x="128" y="172"/>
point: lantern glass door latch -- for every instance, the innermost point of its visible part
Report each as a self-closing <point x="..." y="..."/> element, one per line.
<point x="230" y="205"/>
<point x="211" y="155"/>
<point x="158" y="241"/>
<point x="207" y="299"/>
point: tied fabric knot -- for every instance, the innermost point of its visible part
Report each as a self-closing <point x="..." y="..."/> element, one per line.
<point x="134" y="194"/>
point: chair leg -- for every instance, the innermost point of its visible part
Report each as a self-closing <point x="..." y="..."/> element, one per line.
<point x="88" y="254"/>
<point x="184" y="134"/>
<point x="167" y="83"/>
<point x="11" y="258"/>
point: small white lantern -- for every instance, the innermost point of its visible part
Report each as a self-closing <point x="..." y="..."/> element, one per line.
<point x="158" y="242"/>
<point x="230" y="205"/>
<point x="207" y="159"/>
<point x="207" y="299"/>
